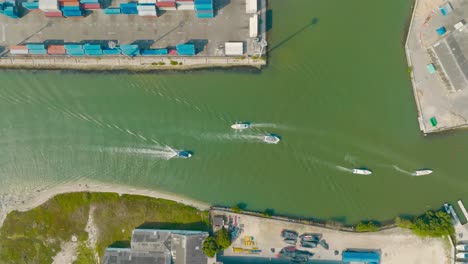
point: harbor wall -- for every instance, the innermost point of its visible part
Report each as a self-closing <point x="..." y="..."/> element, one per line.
<point x="126" y="63"/>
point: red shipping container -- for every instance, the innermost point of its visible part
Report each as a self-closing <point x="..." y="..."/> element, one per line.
<point x="92" y="6"/>
<point x="166" y="4"/>
<point x="53" y="14"/>
<point x="56" y="50"/>
<point x="19" y="47"/>
<point x="173" y="52"/>
<point x="71" y="3"/>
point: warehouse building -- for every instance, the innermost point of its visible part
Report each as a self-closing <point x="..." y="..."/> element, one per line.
<point x="157" y="246"/>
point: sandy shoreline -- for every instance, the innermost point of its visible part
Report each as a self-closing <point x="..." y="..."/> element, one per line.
<point x="40" y="196"/>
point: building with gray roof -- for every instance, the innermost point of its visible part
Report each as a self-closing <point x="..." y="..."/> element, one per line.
<point x="155" y="246"/>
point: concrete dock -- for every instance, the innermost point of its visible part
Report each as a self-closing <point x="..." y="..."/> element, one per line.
<point x="440" y="95"/>
<point x="395" y="245"/>
<point x="231" y="23"/>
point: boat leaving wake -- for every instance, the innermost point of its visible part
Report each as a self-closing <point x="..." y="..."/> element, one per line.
<point x="341" y="168"/>
<point x="402" y="170"/>
<point x="165" y="153"/>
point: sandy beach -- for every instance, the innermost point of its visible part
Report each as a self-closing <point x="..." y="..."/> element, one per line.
<point x="21" y="201"/>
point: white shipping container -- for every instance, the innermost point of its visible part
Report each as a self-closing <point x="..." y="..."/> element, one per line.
<point x="147" y="13"/>
<point x="19" y="51"/>
<point x="147" y="2"/>
<point x="167" y="8"/>
<point x="185" y="7"/>
<point x="253" y="28"/>
<point x="234" y="48"/>
<point x="48" y="5"/>
<point x="251" y="6"/>
<point x="146" y="8"/>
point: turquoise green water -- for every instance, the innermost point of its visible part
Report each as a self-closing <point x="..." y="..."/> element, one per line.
<point x="336" y="91"/>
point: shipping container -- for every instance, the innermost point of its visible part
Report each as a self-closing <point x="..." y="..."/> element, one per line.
<point x="112" y="11"/>
<point x="111" y="52"/>
<point x="153" y="52"/>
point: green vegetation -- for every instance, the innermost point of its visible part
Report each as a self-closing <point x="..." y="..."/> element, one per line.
<point x="180" y="63"/>
<point x="223" y="238"/>
<point x="267" y="213"/>
<point x="367" y="226"/>
<point x="410" y="70"/>
<point x="220" y="241"/>
<point x="161" y="63"/>
<point x="236" y="209"/>
<point x="431" y="223"/>
<point x="174" y="63"/>
<point x="210" y="247"/>
<point x="403" y="223"/>
<point x="35" y="236"/>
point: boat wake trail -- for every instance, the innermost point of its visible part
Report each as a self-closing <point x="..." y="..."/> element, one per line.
<point x="402" y="170"/>
<point x="267" y="125"/>
<point x="341" y="168"/>
<point x="234" y="137"/>
<point x="165" y="153"/>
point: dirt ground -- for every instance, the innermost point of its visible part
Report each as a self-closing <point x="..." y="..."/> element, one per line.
<point x="397" y="246"/>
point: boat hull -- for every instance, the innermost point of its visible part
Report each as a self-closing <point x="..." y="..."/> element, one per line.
<point x="362" y="172"/>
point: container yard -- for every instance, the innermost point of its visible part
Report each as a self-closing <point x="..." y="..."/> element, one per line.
<point x="148" y="34"/>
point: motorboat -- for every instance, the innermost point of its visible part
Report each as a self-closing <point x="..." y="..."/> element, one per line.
<point x="184" y="154"/>
<point x="462" y="247"/>
<point x="271" y="139"/>
<point x="240" y="125"/>
<point x="462" y="255"/>
<point x="422" y="172"/>
<point x="362" y="171"/>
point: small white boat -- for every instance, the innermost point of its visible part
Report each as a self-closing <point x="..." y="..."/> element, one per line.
<point x="422" y="172"/>
<point x="462" y="247"/>
<point x="184" y="154"/>
<point x="462" y="255"/>
<point x="271" y="139"/>
<point x="362" y="171"/>
<point x="240" y="125"/>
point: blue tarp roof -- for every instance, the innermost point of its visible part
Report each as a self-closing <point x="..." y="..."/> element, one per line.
<point x="365" y="257"/>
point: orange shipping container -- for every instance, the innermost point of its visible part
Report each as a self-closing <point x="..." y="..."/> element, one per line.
<point x="19" y="47"/>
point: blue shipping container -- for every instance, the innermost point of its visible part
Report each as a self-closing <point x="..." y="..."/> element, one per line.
<point x="111" y="52"/>
<point x="35" y="46"/>
<point x="94" y="52"/>
<point x="73" y="46"/>
<point x="207" y="15"/>
<point x="112" y="11"/>
<point x="152" y="52"/>
<point x="75" y="52"/>
<point x="133" y="52"/>
<point x="71" y="8"/>
<point x="88" y="46"/>
<point x="72" y="13"/>
<point x="38" y="51"/>
<point x="129" y="47"/>
<point x="31" y="5"/>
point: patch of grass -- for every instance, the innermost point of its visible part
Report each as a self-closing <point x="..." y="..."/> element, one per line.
<point x="85" y="254"/>
<point x="367" y="226"/>
<point x="35" y="236"/>
<point x="174" y="63"/>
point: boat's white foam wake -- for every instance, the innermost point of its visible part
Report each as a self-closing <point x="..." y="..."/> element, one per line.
<point x="341" y="168"/>
<point x="403" y="171"/>
<point x="233" y="137"/>
<point x="158" y="152"/>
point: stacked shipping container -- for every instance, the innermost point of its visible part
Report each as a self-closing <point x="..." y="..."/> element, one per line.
<point x="89" y="49"/>
<point x="204" y="8"/>
<point x="9" y="9"/>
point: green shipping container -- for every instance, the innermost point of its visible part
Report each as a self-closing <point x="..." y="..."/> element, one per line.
<point x="433" y="121"/>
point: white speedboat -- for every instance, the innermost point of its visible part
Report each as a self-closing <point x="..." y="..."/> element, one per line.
<point x="462" y="247"/>
<point x="271" y="139"/>
<point x="462" y="255"/>
<point x="362" y="171"/>
<point x="240" y="125"/>
<point x="422" y="172"/>
<point x="184" y="154"/>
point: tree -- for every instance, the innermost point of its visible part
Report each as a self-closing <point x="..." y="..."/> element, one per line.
<point x="403" y="223"/>
<point x="210" y="247"/>
<point x="433" y="224"/>
<point x="236" y="209"/>
<point x="367" y="226"/>
<point x="223" y="238"/>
